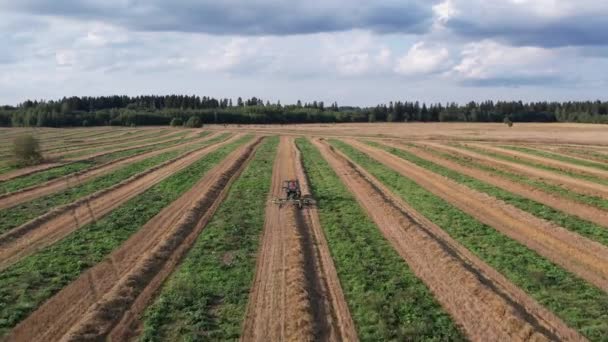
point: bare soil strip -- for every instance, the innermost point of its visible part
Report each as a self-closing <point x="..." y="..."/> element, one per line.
<point x="55" y="225"/>
<point x="485" y="304"/>
<point x="67" y="181"/>
<point x="588" y="259"/>
<point x="586" y="212"/>
<point x="86" y="143"/>
<point x="546" y="161"/>
<point x="571" y="151"/>
<point x="26" y="171"/>
<point x="105" y="302"/>
<point x="578" y="185"/>
<point x="296" y="293"/>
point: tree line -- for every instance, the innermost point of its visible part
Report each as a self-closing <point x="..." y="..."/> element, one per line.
<point x="162" y="110"/>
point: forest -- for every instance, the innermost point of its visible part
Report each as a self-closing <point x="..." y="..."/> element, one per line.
<point x="161" y="110"/>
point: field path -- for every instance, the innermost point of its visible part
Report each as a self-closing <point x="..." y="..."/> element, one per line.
<point x="486" y="305"/>
<point x="296" y="293"/>
<point x="588" y="259"/>
<point x="72" y="179"/>
<point x="583" y="211"/>
<point x="106" y="301"/>
<point x="55" y="225"/>
<point x="574" y="184"/>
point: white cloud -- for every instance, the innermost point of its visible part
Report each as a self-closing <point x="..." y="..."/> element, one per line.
<point x="423" y="59"/>
<point x="490" y="63"/>
<point x="65" y="58"/>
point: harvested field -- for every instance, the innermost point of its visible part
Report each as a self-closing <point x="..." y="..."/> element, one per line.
<point x="583" y="257"/>
<point x="64" y="182"/>
<point x="410" y="231"/>
<point x="55" y="225"/>
<point x="482" y="295"/>
<point x="296" y="293"/>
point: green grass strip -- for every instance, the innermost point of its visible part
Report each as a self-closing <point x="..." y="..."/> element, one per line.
<point x="43" y="176"/>
<point x="580" y="304"/>
<point x="558" y="157"/>
<point x="386" y="299"/>
<point x="84" y="152"/>
<point x="585" y="228"/>
<point x="15" y="216"/>
<point x="28" y="283"/>
<point x="534" y="164"/>
<point x="595" y="201"/>
<point x="207" y="295"/>
<point x="589" y="153"/>
<point x="56" y="172"/>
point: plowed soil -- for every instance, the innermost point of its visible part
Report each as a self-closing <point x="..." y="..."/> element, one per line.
<point x="296" y="294"/>
<point x="55" y="225"/>
<point x="486" y="305"/>
<point x="583" y="211"/>
<point x="578" y="185"/>
<point x="65" y="182"/>
<point x="581" y="256"/>
<point x="106" y="301"/>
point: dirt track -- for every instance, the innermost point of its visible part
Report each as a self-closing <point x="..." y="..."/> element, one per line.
<point x="574" y="184"/>
<point x="72" y="179"/>
<point x="583" y="211"/>
<point x="296" y="293"/>
<point x="584" y="257"/>
<point x="55" y="225"/>
<point x="486" y="305"/>
<point x="106" y="301"/>
<point x="545" y="161"/>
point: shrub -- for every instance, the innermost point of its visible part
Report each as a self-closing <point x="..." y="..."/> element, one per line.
<point x="26" y="150"/>
<point x="194" y="122"/>
<point x="176" y="122"/>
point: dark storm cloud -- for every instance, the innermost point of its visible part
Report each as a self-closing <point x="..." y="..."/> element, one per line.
<point x="543" y="23"/>
<point x="572" y="31"/>
<point x="243" y="17"/>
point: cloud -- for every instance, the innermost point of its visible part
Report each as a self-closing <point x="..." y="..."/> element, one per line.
<point x="423" y="59"/>
<point x="545" y="23"/>
<point x="488" y="63"/>
<point x="255" y="17"/>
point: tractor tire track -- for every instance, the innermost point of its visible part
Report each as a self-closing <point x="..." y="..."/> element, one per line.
<point x="485" y="304"/>
<point x="577" y="185"/>
<point x="296" y="293"/>
<point x="586" y="212"/>
<point x="65" y="182"/>
<point x="586" y="258"/>
<point x="55" y="225"/>
<point x="107" y="300"/>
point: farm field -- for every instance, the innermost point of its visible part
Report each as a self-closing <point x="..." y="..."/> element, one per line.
<point x="405" y="232"/>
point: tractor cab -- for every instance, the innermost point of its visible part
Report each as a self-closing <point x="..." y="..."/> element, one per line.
<point x="293" y="194"/>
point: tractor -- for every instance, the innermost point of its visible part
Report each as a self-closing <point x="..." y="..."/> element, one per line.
<point x="293" y="195"/>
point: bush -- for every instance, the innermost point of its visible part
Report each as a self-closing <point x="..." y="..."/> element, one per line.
<point x="26" y="150"/>
<point x="194" y="122"/>
<point x="176" y="122"/>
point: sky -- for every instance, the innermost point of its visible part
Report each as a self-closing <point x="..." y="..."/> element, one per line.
<point x="355" y="52"/>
